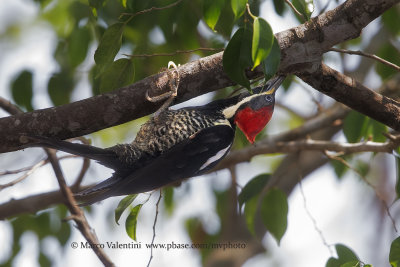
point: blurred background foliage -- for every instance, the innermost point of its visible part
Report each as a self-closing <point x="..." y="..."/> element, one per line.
<point x="80" y="26"/>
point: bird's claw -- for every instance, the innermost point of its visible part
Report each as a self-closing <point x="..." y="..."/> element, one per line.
<point x="173" y="83"/>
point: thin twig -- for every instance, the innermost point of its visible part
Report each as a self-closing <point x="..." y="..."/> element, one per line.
<point x="313" y="220"/>
<point x="9" y="107"/>
<point x="273" y="145"/>
<point x="379" y="196"/>
<point x="234" y="186"/>
<point x="85" y="167"/>
<point x="176" y="52"/>
<point x="31" y="169"/>
<point x="41" y="163"/>
<point x="76" y="213"/>
<point x="132" y="15"/>
<point x="360" y="53"/>
<point x="295" y="10"/>
<point x="249" y="11"/>
<point x="306" y="88"/>
<point x="24" y="176"/>
<point x="154" y="229"/>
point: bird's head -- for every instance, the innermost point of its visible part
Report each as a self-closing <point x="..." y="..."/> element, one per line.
<point x="253" y="111"/>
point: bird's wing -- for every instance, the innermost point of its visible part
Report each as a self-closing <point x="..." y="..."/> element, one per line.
<point x="186" y="159"/>
<point x="193" y="156"/>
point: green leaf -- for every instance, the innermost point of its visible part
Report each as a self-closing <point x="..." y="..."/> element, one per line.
<point x="351" y="264"/>
<point x="245" y="59"/>
<point x="64" y="233"/>
<point x="362" y="167"/>
<point x="236" y="57"/>
<point x="78" y="46"/>
<point x="109" y="44"/>
<point x="123" y="205"/>
<point x="340" y="168"/>
<point x="390" y="15"/>
<point x="391" y="54"/>
<point x="279" y="6"/>
<point x="137" y="6"/>
<point x="354" y="126"/>
<point x="271" y="63"/>
<point x="376" y="129"/>
<point x="168" y="193"/>
<point x="119" y="74"/>
<point x="274" y="210"/>
<point x="344" y="253"/>
<point x="225" y="22"/>
<point x="394" y="254"/>
<point x="80" y="11"/>
<point x="44" y="261"/>
<point x="123" y="3"/>
<point x="212" y="11"/>
<point x="332" y="262"/>
<point x="250" y="210"/>
<point x="253" y="188"/>
<point x="60" y="87"/>
<point x="131" y="221"/>
<point x="96" y="3"/>
<point x="263" y="38"/>
<point x="238" y="7"/>
<point x="305" y="7"/>
<point x="345" y="257"/>
<point x="21" y="90"/>
<point x="94" y="79"/>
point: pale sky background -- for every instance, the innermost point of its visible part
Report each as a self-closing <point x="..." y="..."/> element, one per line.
<point x="342" y="209"/>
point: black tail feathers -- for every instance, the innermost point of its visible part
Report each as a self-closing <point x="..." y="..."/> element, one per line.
<point x="105" y="157"/>
<point x="97" y="193"/>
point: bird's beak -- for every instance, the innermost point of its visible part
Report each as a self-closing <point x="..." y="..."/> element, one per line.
<point x="273" y="84"/>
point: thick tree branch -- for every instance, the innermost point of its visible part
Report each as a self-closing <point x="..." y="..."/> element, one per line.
<point x="33" y="204"/>
<point x="301" y="48"/>
<point x="356" y="96"/>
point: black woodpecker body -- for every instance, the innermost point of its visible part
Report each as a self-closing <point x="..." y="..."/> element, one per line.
<point x="176" y="144"/>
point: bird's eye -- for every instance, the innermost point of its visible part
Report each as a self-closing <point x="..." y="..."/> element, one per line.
<point x="268" y="98"/>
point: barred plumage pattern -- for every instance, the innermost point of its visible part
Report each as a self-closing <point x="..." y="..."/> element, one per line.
<point x="163" y="132"/>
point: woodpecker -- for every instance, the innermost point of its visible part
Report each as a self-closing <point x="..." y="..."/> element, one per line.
<point x="176" y="144"/>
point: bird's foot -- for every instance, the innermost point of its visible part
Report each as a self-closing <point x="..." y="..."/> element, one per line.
<point x="173" y="84"/>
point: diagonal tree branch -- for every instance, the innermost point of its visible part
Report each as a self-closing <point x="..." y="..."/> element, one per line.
<point x="301" y="50"/>
<point x="76" y="213"/>
<point x="353" y="94"/>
